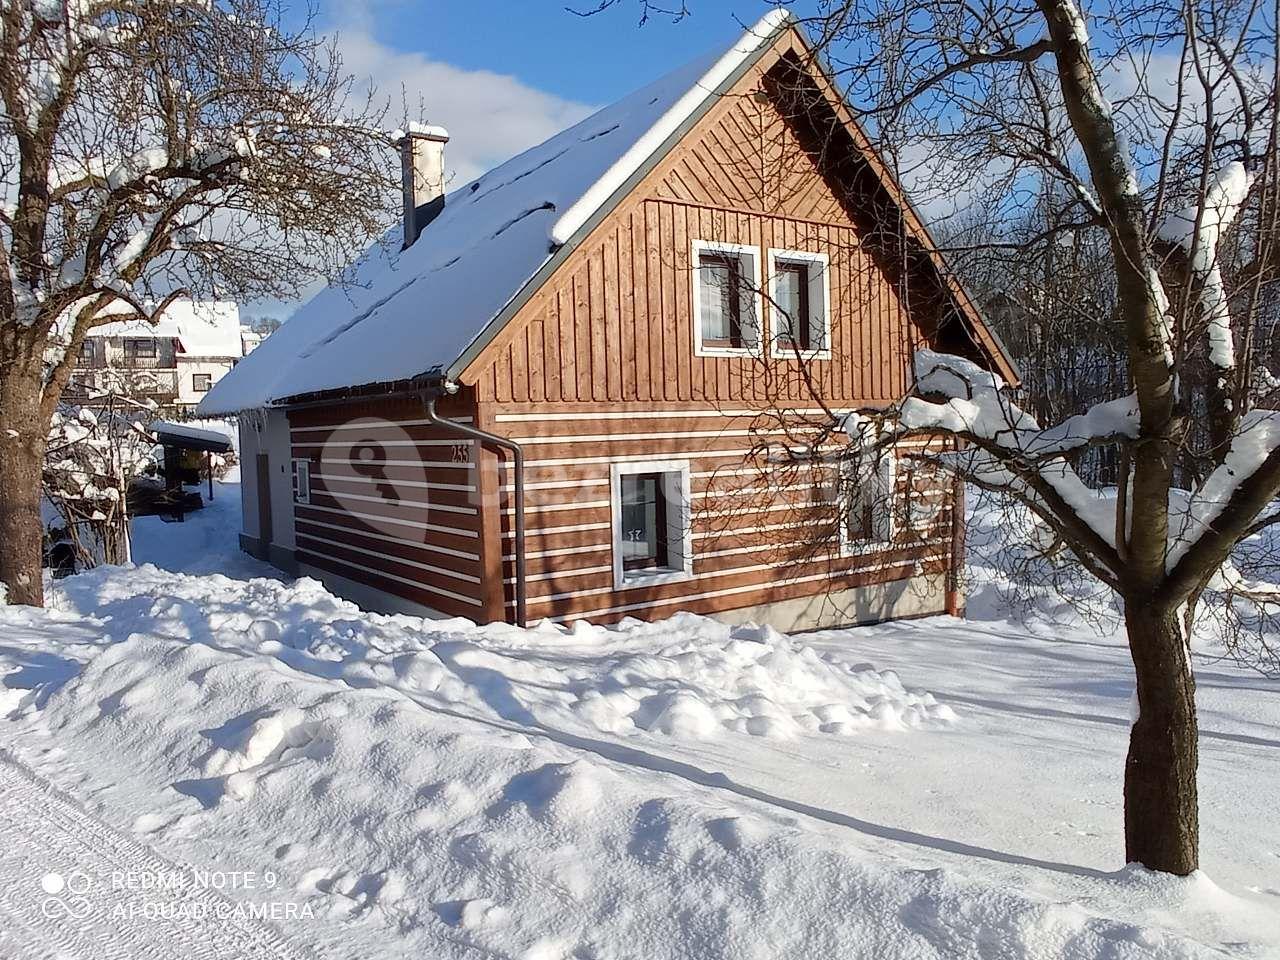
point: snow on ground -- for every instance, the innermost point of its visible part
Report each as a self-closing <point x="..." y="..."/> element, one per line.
<point x="205" y="542"/>
<point x="935" y="788"/>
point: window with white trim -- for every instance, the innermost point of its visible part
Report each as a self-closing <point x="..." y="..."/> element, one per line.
<point x="726" y="291"/>
<point x="867" y="503"/>
<point x="652" y="539"/>
<point x="801" y="301"/>
<point x="301" y="480"/>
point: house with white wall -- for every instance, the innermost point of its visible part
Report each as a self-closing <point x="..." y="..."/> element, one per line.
<point x="174" y="361"/>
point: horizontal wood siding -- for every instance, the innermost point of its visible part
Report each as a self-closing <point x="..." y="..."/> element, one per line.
<point x="394" y="501"/>
<point x="753" y="542"/>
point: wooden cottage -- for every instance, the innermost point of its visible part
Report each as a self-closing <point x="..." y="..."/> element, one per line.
<point x="600" y="380"/>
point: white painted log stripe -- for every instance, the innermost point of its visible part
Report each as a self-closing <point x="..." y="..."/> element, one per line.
<point x="561" y="552"/>
<point x="510" y="511"/>
<point x="625" y="458"/>
<point x="697" y="535"/>
<point x="543" y="531"/>
<point x="606" y="547"/>
<point x="747" y="471"/>
<point x="735" y="571"/>
<point x="764" y="547"/>
<point x="622" y="437"/>
<point x="418" y="584"/>
<point x="557" y="485"/>
<point x="643" y="415"/>
<point x="420" y="504"/>
<point x="422" y="484"/>
<point x="796" y="525"/>
<point x="744" y="491"/>
<point x="739" y="511"/>
<point x="362" y="423"/>
<point x="420" y="544"/>
<point x="441" y="464"/>
<point x="907" y="566"/>
<point x="452" y="574"/>
<point x="416" y="524"/>
<point x="560" y="574"/>
<point x="387" y="443"/>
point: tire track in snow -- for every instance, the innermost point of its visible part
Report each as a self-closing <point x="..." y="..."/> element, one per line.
<point x="44" y="834"/>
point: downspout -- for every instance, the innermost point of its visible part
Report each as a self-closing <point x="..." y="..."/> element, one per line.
<point x="517" y="454"/>
<point x="955" y="573"/>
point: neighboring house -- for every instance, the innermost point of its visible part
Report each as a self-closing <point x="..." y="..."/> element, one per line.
<point x="250" y="340"/>
<point x="606" y="321"/>
<point x="175" y="361"/>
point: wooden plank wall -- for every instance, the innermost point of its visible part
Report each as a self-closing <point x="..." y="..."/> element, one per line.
<point x="758" y="537"/>
<point x="600" y="365"/>
<point x="615" y="323"/>
<point x="394" y="503"/>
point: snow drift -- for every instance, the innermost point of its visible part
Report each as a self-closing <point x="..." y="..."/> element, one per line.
<point x="443" y="789"/>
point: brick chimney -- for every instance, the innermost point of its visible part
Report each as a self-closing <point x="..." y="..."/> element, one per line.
<point x="422" y="172"/>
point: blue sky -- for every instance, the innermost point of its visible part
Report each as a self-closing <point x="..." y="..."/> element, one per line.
<point x="593" y="59"/>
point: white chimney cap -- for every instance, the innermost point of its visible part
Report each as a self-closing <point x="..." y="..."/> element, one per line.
<point x="429" y="130"/>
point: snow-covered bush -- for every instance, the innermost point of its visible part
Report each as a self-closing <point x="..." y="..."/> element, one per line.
<point x="93" y="455"/>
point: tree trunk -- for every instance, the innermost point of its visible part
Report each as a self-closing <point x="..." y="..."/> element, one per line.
<point x="22" y="445"/>
<point x="1161" y="814"/>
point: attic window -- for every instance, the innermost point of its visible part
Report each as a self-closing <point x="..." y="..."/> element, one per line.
<point x="801" y="304"/>
<point x="725" y="292"/>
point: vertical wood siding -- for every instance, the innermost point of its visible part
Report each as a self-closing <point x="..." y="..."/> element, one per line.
<point x="615" y="323"/>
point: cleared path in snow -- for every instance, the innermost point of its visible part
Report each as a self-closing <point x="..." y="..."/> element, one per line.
<point x="72" y="888"/>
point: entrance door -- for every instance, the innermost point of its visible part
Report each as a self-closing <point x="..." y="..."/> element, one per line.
<point x="264" y="500"/>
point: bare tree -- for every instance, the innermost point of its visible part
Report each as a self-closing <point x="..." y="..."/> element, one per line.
<point x="1132" y="152"/>
<point x="152" y="149"/>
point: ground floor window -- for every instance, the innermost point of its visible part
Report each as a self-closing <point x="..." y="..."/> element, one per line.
<point x="867" y="503"/>
<point x="201" y="382"/>
<point x="644" y="522"/>
<point x="651" y="535"/>
<point x="301" y="481"/>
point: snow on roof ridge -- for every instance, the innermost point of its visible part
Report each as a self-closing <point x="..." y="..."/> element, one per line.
<point x="622" y="169"/>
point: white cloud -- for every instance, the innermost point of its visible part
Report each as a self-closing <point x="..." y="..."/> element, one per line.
<point x="490" y="116"/>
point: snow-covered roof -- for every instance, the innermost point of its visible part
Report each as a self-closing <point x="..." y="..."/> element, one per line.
<point x="187" y="435"/>
<point x="205" y="328"/>
<point x="411" y="312"/>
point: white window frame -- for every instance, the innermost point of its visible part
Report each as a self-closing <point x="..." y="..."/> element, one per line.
<point x="734" y="250"/>
<point x="819" y="292"/>
<point x="679" y="518"/>
<point x="300" y="468"/>
<point x="885" y="519"/>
